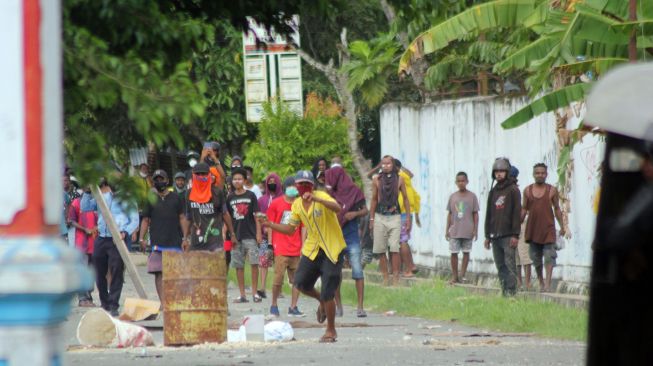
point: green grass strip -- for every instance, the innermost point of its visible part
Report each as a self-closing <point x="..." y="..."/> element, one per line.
<point x="437" y="300"/>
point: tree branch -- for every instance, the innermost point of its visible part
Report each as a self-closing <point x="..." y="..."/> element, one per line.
<point x="326" y="69"/>
<point x="391" y="16"/>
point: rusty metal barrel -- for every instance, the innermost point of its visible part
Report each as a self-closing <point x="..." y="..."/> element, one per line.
<point x="194" y="297"/>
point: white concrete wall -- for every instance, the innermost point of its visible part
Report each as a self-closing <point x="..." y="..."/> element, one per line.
<point x="439" y="139"/>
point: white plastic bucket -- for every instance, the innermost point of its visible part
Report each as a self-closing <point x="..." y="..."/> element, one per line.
<point x="254" y="326"/>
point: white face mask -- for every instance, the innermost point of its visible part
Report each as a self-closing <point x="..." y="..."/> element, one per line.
<point x="80" y="191"/>
<point x="192" y="162"/>
<point x="143" y="175"/>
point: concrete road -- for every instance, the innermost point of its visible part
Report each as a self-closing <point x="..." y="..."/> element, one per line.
<point x="378" y="339"/>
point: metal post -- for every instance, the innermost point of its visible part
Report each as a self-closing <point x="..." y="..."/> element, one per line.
<point x="39" y="273"/>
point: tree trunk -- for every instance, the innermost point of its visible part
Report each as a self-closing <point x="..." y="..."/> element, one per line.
<point x="419" y="67"/>
<point x="339" y="81"/>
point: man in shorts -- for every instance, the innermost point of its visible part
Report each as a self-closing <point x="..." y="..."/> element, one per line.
<point x="462" y="226"/>
<point x="322" y="250"/>
<point x="384" y="208"/>
<point x="287" y="248"/>
<point x="541" y="202"/>
<point x="242" y="205"/>
<point x="164" y="220"/>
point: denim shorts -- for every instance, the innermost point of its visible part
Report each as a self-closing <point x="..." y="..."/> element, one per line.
<point x="353" y="249"/>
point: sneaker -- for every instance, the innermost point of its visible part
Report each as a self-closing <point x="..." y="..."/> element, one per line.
<point x="114" y="313"/>
<point x="274" y="310"/>
<point x="294" y="312"/>
<point x="361" y="313"/>
<point x="262" y="294"/>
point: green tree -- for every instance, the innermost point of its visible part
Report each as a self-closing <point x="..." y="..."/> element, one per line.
<point x="166" y="73"/>
<point x="289" y="142"/>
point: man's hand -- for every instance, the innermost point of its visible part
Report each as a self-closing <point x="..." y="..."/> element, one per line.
<point x="350" y="215"/>
<point x="134" y="236"/>
<point x="185" y="245"/>
<point x="371" y="228"/>
<point x="143" y="244"/>
<point x="308" y="197"/>
<point x="514" y="242"/>
<point x="259" y="238"/>
<point x="409" y="224"/>
<point x="487" y="244"/>
<point x="446" y="235"/>
<point x="234" y="241"/>
<point x="563" y="232"/>
<point x="123" y="235"/>
<point x="475" y="234"/>
<point x="205" y="153"/>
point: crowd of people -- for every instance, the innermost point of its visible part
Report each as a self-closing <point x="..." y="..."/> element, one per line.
<point x="309" y="226"/>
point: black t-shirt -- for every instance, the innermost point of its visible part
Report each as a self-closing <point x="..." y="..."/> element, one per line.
<point x="164" y="220"/>
<point x="206" y="221"/>
<point x="242" y="208"/>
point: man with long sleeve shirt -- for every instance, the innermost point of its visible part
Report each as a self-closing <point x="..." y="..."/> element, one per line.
<point x="105" y="255"/>
<point x="503" y="225"/>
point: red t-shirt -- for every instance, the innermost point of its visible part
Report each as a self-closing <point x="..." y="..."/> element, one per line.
<point x="88" y="220"/>
<point x="289" y="246"/>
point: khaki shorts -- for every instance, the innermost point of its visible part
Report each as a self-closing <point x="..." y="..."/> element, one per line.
<point x="386" y="233"/>
<point x="523" y="257"/>
<point x="284" y="264"/>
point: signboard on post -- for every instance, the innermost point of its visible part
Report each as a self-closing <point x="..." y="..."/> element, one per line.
<point x="272" y="69"/>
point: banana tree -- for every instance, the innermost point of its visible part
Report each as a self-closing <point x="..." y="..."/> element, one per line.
<point x="577" y="41"/>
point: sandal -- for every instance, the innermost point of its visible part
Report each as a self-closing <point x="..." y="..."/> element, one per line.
<point x="327" y="339"/>
<point x="321" y="315"/>
<point x="257" y="298"/>
<point x="240" y="300"/>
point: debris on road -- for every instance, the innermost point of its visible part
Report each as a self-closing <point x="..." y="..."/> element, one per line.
<point x="97" y="328"/>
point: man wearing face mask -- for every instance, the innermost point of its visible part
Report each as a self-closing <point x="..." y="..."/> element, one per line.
<point x="322" y="251"/>
<point x="165" y="220"/>
<point x="287" y="248"/>
<point x="236" y="162"/>
<point x="192" y="158"/>
<point x="206" y="212"/>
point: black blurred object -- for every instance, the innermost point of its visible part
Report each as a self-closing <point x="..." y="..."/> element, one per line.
<point x="621" y="316"/>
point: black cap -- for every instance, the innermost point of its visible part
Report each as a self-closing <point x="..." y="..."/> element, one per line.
<point x="180" y="175"/>
<point x="201" y="168"/>
<point x="289" y="181"/>
<point x="160" y="173"/>
<point x="304" y="176"/>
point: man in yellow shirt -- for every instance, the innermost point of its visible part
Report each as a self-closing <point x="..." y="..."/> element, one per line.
<point x="322" y="251"/>
<point x="414" y="199"/>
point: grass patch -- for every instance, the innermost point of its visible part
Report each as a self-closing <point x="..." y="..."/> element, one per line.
<point x="437" y="300"/>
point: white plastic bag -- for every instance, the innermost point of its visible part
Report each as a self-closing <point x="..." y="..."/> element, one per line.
<point x="560" y="242"/>
<point x="98" y="328"/>
<point x="277" y="331"/>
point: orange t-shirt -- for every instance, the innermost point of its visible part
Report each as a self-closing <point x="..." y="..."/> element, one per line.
<point x="217" y="178"/>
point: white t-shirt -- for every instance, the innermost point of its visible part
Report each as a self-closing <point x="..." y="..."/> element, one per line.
<point x="256" y="190"/>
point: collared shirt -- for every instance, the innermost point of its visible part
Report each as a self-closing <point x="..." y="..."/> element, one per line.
<point x="322" y="225"/>
<point x="126" y="219"/>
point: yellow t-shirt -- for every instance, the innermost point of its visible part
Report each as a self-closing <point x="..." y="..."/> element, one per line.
<point x="322" y="228"/>
<point x="413" y="196"/>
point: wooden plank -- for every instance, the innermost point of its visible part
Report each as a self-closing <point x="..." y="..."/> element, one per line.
<point x="117" y="240"/>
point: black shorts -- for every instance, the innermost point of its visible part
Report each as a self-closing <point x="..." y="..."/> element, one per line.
<point x="309" y="271"/>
